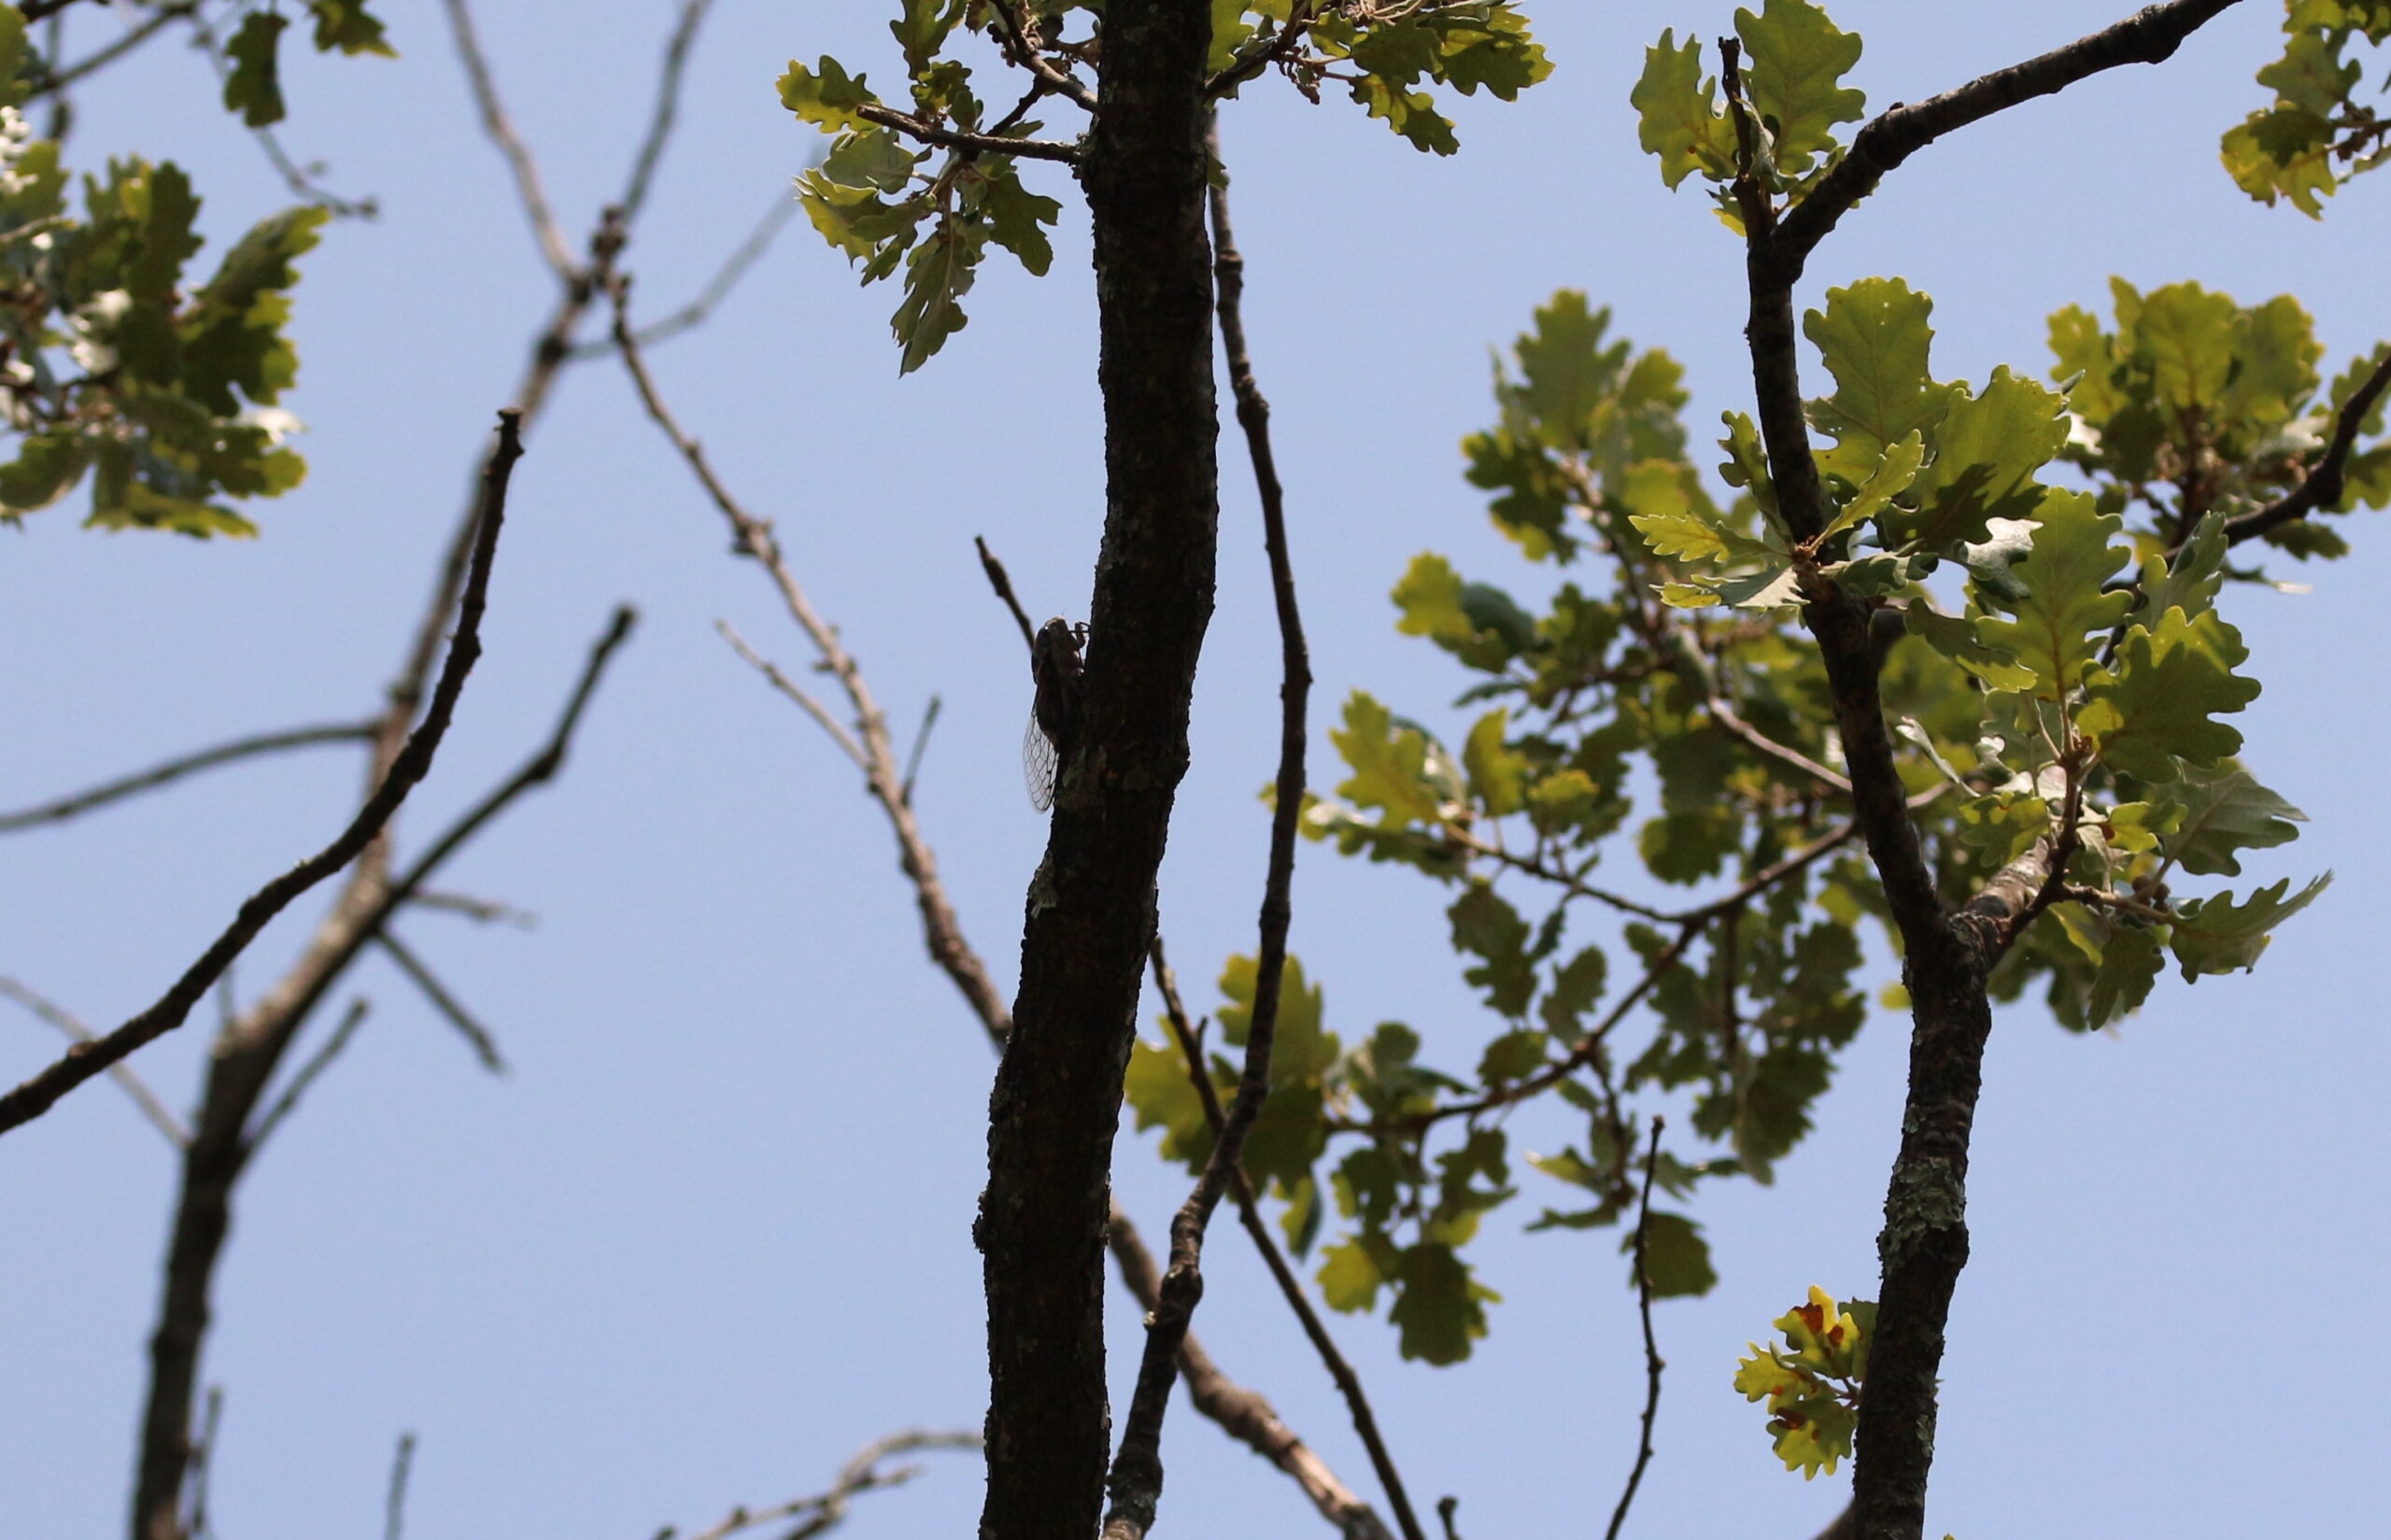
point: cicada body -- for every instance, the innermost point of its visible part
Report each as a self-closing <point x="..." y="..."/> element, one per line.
<point x="1054" y="712"/>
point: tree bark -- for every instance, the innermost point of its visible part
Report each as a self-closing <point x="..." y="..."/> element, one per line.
<point x="1091" y="906"/>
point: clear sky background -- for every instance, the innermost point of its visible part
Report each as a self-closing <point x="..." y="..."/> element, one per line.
<point x="712" y="1232"/>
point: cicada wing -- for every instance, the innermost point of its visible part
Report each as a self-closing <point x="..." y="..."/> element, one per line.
<point x="1039" y="763"/>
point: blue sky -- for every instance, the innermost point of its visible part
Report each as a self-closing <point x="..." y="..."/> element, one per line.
<point x="713" y="1232"/>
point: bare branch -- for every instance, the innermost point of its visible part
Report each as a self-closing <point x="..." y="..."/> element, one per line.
<point x="500" y="129"/>
<point x="395" y="1508"/>
<point x="1653" y="1363"/>
<point x="158" y="1114"/>
<point x="921" y="745"/>
<point x="2322" y="485"/>
<point x="789" y="687"/>
<point x="300" y="179"/>
<point x="36" y="1096"/>
<point x="965" y="143"/>
<point x="1013" y="36"/>
<point x="667" y="102"/>
<point x="2148" y="36"/>
<point x="155" y="23"/>
<point x="1241" y="1413"/>
<point x="1760" y="742"/>
<point x="1003" y="584"/>
<point x="826" y="1510"/>
<point x="1136" y="1480"/>
<point x="487" y="910"/>
<point x="288" y="1102"/>
<point x="717" y="289"/>
<point x="476" y="1035"/>
<point x="175" y="769"/>
<point x="1335" y="1503"/>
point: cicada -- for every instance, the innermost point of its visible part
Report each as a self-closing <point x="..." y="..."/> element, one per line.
<point x="1054" y="712"/>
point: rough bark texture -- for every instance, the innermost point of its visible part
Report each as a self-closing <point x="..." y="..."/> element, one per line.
<point x="1058" y="1096"/>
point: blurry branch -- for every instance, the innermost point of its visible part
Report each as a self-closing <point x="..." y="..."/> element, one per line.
<point x="157" y="21"/>
<point x="965" y="143"/>
<point x="317" y="1064"/>
<point x="476" y="1035"/>
<point x="1003" y="584"/>
<point x="300" y="179"/>
<point x="501" y="131"/>
<point x="202" y="1459"/>
<point x="667" y="102"/>
<point x="2326" y="476"/>
<point x="1652" y="1361"/>
<point x="1014" y="40"/>
<point x="175" y="769"/>
<point x="825" y="1511"/>
<point x="36" y="1096"/>
<point x="921" y="746"/>
<point x="395" y="1510"/>
<point x="1135" y="1482"/>
<point x="1337" y="1505"/>
<point x="487" y="910"/>
<point x="789" y="687"/>
<point x="143" y="1097"/>
<point x="717" y="289"/>
<point x="1242" y="1414"/>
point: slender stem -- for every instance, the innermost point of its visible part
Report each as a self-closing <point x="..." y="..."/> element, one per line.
<point x="1340" y="1369"/>
<point x="36" y="1096"/>
<point x="175" y="769"/>
<point x="158" y="1114"/>
<point x="501" y="131"/>
<point x="966" y="143"/>
<point x="667" y="102"/>
<point x="2322" y="485"/>
<point x="306" y="1076"/>
<point x="476" y="1035"/>
<point x="1653" y="1364"/>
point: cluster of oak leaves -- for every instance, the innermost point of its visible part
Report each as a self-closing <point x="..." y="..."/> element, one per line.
<point x="2054" y="556"/>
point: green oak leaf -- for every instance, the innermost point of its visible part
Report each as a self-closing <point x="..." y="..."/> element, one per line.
<point x="1677" y="1259"/>
<point x="348" y="26"/>
<point x="1487" y="927"/>
<point x="1301" y="1050"/>
<point x="2219" y="936"/>
<point x="1873" y="338"/>
<point x="1514" y="1056"/>
<point x="253" y="87"/>
<point x="1439" y="1309"/>
<point x="1987" y="450"/>
<point x="1497" y="775"/>
<point x="921" y="28"/>
<point x="1678" y="118"/>
<point x="826" y="97"/>
<point x="1389" y="764"/>
<point x="2224" y="811"/>
<point x="1348" y="1277"/>
<point x="2153" y="706"/>
<point x="2129" y="965"/>
<point x="937" y="274"/>
<point x="2188" y="333"/>
<point x="2065" y="576"/>
<point x="1890" y="478"/>
<point x="1798" y="60"/>
<point x="233" y="333"/>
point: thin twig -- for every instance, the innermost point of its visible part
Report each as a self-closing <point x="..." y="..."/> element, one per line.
<point x="203" y="1459"/>
<point x="36" y="1096"/>
<point x="667" y="102"/>
<point x="2327" y="474"/>
<point x="288" y="1102"/>
<point x="1340" y="1369"/>
<point x="1014" y="43"/>
<point x="1760" y="742"/>
<point x="395" y="1510"/>
<point x="965" y="143"/>
<point x="157" y="21"/>
<point x="1652" y="1361"/>
<point x="823" y="1510"/>
<point x="717" y="289"/>
<point x="1003" y="584"/>
<point x="1135" y="1482"/>
<point x="175" y="769"/>
<point x="478" y="1036"/>
<point x="300" y="179"/>
<point x="500" y="129"/>
<point x="487" y="910"/>
<point x="158" y="1114"/>
<point x="789" y="687"/>
<point x="921" y="744"/>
